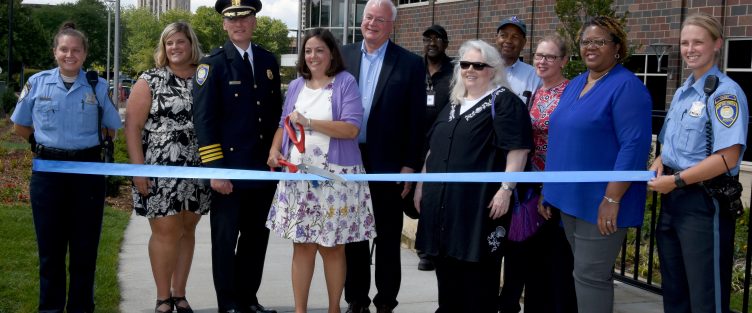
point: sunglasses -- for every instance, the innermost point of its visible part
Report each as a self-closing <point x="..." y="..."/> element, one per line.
<point x="478" y="66"/>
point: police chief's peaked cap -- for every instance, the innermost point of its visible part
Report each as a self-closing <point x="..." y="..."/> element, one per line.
<point x="237" y="8"/>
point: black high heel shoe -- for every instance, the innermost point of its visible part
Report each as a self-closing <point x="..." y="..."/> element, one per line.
<point x="181" y="309"/>
<point x="167" y="301"/>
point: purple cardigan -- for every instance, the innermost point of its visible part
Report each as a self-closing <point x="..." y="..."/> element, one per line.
<point x="346" y="107"/>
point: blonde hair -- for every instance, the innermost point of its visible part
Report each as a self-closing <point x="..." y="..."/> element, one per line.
<point x="160" y="54"/>
<point x="490" y="56"/>
<point x="707" y="22"/>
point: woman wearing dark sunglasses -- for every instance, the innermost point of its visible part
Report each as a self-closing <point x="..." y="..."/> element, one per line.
<point x="602" y="123"/>
<point x="486" y="128"/>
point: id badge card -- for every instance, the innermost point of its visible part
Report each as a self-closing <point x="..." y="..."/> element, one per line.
<point x="430" y="98"/>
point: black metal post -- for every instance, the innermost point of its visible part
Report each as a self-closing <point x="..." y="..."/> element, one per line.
<point x="10" y="41"/>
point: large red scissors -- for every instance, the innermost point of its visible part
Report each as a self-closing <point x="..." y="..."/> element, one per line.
<point x="300" y="145"/>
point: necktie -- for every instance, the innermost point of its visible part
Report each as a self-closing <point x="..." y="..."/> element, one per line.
<point x="248" y="64"/>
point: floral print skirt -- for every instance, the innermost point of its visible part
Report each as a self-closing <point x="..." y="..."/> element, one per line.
<point x="327" y="213"/>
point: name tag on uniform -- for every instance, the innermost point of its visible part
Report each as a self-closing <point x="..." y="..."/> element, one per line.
<point x="430" y="98"/>
<point x="90" y="98"/>
<point x="45" y="98"/>
<point x="696" y="109"/>
<point x="234" y="82"/>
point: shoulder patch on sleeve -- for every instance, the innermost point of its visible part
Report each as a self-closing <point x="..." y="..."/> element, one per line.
<point x="25" y="91"/>
<point x="726" y="109"/>
<point x="202" y="72"/>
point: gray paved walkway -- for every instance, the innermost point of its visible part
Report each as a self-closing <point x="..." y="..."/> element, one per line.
<point x="417" y="295"/>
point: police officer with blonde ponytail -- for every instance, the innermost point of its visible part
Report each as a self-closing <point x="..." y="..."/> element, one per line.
<point x="704" y="138"/>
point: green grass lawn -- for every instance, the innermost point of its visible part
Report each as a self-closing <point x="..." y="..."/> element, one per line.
<point x="19" y="265"/>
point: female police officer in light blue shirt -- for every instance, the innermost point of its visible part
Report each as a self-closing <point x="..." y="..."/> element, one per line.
<point x="58" y="113"/>
<point x="695" y="231"/>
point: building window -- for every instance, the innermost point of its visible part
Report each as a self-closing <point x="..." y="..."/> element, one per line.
<point x="738" y="62"/>
<point x="401" y="2"/>
<point x="645" y="66"/>
<point x="738" y="66"/>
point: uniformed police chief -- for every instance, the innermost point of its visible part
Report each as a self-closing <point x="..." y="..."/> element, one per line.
<point x="237" y="105"/>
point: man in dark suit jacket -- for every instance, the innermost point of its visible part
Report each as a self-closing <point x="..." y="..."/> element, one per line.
<point x="237" y="105"/>
<point x="392" y="85"/>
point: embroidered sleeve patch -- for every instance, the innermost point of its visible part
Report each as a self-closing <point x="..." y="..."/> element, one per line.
<point x="202" y="72"/>
<point x="726" y="109"/>
<point x="24" y="91"/>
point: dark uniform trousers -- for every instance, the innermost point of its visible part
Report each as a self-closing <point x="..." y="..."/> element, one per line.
<point x="387" y="213"/>
<point x="695" y="244"/>
<point x="67" y="210"/>
<point x="238" y="261"/>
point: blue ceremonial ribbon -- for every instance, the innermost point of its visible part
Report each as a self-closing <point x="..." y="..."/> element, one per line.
<point x="122" y="169"/>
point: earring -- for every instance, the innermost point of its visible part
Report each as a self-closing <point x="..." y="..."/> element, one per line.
<point x="616" y="56"/>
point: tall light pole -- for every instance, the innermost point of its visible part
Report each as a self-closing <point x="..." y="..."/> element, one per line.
<point x="116" y="67"/>
<point x="108" y="3"/>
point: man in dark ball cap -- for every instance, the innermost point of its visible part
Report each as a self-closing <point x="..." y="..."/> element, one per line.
<point x="511" y="36"/>
<point x="237" y="104"/>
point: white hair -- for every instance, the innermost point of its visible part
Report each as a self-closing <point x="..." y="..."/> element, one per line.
<point x="490" y="56"/>
<point x="378" y="3"/>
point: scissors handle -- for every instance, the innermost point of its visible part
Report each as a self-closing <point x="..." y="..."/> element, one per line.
<point x="299" y="143"/>
<point x="292" y="167"/>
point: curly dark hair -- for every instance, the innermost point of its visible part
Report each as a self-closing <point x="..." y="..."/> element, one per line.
<point x="614" y="28"/>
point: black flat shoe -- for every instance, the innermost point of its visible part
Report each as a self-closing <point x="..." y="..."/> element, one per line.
<point x="181" y="309"/>
<point x="167" y="301"/>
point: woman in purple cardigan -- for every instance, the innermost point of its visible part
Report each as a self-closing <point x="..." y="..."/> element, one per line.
<point x="321" y="217"/>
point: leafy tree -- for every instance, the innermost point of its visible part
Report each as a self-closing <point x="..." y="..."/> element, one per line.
<point x="90" y="17"/>
<point x="141" y="33"/>
<point x="172" y="16"/>
<point x="572" y="14"/>
<point x="208" y="27"/>
<point x="29" y="43"/>
<point x="271" y="33"/>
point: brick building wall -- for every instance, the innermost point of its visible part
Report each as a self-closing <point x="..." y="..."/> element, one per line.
<point x="648" y="22"/>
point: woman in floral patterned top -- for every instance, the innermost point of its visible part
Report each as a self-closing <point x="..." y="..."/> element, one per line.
<point x="321" y="217"/>
<point x="542" y="263"/>
<point x="159" y="130"/>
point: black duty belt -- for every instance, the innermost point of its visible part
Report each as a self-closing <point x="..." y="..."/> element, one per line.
<point x="669" y="170"/>
<point x="50" y="153"/>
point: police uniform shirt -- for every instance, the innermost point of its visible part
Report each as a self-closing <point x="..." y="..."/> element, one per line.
<point x="64" y="118"/>
<point x="683" y="134"/>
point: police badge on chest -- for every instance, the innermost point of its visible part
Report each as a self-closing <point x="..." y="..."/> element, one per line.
<point x="696" y="109"/>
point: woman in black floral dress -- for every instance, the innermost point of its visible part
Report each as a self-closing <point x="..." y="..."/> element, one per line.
<point x="159" y="130"/>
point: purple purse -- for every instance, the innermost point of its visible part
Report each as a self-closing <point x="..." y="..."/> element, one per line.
<point x="525" y="218"/>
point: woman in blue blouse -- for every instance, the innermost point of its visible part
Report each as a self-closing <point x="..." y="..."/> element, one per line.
<point x="602" y="123"/>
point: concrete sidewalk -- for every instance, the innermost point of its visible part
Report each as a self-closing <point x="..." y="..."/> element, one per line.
<point x="417" y="295"/>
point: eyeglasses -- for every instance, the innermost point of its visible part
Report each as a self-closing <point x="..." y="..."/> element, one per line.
<point x="478" y="66"/>
<point x="377" y="20"/>
<point x="545" y="57"/>
<point x="597" y="43"/>
<point x="427" y="40"/>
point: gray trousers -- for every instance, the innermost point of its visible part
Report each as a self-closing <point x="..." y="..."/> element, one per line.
<point x="594" y="257"/>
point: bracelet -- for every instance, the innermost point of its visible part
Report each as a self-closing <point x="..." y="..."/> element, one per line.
<point x="309" y="124"/>
<point x="610" y="200"/>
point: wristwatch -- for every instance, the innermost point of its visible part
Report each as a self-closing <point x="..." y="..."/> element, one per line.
<point x="505" y="186"/>
<point x="680" y="183"/>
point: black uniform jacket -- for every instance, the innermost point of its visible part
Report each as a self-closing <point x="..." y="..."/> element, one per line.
<point x="236" y="114"/>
